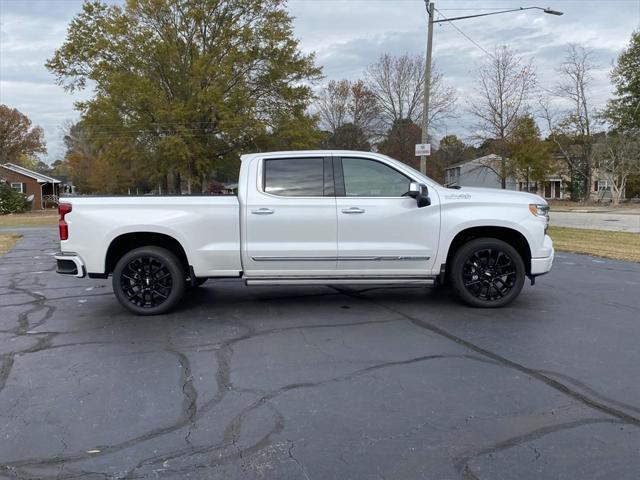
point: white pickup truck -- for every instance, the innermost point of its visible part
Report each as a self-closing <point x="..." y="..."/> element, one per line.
<point x="310" y="217"/>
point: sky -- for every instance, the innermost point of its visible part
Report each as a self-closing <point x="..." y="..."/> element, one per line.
<point x="346" y="36"/>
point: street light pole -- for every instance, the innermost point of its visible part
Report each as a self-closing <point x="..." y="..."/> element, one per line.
<point x="427" y="85"/>
<point x="427" y="68"/>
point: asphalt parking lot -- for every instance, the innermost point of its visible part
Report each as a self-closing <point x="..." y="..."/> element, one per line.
<point x="319" y="382"/>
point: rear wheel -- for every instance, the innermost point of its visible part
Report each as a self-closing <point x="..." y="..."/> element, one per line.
<point x="487" y="273"/>
<point x="149" y="280"/>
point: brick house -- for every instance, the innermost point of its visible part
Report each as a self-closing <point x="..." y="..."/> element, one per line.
<point x="44" y="189"/>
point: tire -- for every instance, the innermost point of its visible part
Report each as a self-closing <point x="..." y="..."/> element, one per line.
<point x="143" y="294"/>
<point x="478" y="281"/>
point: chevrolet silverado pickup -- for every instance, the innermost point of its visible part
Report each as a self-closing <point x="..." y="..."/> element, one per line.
<point x="310" y="217"/>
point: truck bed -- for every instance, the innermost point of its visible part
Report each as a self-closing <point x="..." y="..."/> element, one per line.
<point x="208" y="227"/>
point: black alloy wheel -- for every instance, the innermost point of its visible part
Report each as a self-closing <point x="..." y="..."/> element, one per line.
<point x="487" y="272"/>
<point x="149" y="280"/>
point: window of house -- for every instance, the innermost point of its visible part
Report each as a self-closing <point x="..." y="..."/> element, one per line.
<point x="294" y="177"/>
<point x="368" y="178"/>
<point x="595" y="186"/>
<point x="18" y="187"/>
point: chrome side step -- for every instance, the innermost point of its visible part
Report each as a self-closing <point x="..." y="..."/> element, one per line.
<point x="342" y="281"/>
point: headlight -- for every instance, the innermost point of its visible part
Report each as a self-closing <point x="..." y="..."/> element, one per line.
<point x="540" y="210"/>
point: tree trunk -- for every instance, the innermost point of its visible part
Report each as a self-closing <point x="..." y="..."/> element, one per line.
<point x="164" y="182"/>
<point x="177" y="183"/>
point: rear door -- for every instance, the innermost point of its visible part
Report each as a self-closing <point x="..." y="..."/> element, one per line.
<point x="381" y="230"/>
<point x="291" y="218"/>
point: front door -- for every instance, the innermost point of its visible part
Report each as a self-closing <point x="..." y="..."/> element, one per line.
<point x="381" y="230"/>
<point x="291" y="218"/>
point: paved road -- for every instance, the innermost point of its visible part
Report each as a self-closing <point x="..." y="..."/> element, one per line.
<point x="319" y="383"/>
<point x="623" y="222"/>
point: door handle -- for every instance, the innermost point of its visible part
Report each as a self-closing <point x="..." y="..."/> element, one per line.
<point x="352" y="210"/>
<point x="262" y="211"/>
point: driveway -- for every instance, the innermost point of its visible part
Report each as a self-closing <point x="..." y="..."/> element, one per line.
<point x="319" y="382"/>
<point x="619" y="220"/>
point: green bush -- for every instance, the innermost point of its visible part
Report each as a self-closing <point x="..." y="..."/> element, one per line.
<point x="12" y="201"/>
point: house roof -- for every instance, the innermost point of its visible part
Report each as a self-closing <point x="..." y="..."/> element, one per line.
<point x="492" y="156"/>
<point x="39" y="177"/>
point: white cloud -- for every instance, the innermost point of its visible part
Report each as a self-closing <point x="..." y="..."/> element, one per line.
<point x="346" y="35"/>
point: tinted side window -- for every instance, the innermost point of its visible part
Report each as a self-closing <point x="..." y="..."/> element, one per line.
<point x="368" y="178"/>
<point x="294" y="177"/>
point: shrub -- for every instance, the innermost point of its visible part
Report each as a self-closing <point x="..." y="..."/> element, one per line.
<point x="11" y="201"/>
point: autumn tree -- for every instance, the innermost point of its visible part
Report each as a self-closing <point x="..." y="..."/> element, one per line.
<point x="20" y="141"/>
<point x="623" y="111"/>
<point x="452" y="149"/>
<point x="347" y="137"/>
<point x="530" y="156"/>
<point x="181" y="87"/>
<point x="505" y="82"/>
<point x="80" y="157"/>
<point x="399" y="142"/>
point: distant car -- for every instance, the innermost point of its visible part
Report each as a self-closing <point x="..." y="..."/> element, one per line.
<point x="311" y="217"/>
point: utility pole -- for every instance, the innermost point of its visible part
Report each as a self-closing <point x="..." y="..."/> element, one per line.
<point x="427" y="83"/>
<point x="427" y="67"/>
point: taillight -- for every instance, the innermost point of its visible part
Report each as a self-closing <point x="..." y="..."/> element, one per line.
<point x="63" y="209"/>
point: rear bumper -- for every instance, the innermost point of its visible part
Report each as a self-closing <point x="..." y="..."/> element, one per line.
<point x="70" y="264"/>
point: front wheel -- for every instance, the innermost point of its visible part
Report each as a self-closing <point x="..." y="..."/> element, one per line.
<point x="149" y="280"/>
<point x="487" y="273"/>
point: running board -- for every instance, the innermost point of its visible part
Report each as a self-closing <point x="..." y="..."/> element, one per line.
<point x="342" y="281"/>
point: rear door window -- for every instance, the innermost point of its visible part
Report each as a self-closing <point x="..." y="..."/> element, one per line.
<point x="294" y="177"/>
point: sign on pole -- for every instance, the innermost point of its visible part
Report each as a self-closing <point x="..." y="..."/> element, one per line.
<point x="423" y="149"/>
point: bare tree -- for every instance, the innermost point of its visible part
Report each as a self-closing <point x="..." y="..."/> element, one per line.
<point x="363" y="108"/>
<point x="577" y="121"/>
<point x="333" y="104"/>
<point x="398" y="85"/>
<point x="618" y="158"/>
<point x="504" y="86"/>
<point x="349" y="111"/>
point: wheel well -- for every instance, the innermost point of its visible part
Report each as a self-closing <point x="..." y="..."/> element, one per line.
<point x="129" y="241"/>
<point x="512" y="237"/>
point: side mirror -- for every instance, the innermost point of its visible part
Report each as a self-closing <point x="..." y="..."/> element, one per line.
<point x="420" y="192"/>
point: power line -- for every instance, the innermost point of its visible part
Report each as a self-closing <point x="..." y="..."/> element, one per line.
<point x="464" y="34"/>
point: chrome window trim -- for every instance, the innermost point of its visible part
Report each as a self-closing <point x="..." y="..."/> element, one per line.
<point x="371" y="258"/>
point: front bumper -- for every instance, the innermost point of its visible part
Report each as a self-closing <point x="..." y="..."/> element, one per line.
<point x="70" y="264"/>
<point x="540" y="266"/>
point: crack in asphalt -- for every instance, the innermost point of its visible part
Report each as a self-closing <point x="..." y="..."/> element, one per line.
<point x="303" y="469"/>
<point x="190" y="406"/>
<point x="536" y="374"/>
<point x="462" y="461"/>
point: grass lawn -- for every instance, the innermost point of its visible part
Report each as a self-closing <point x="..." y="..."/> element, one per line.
<point x="32" y="219"/>
<point x="7" y="241"/>
<point x="600" y="243"/>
